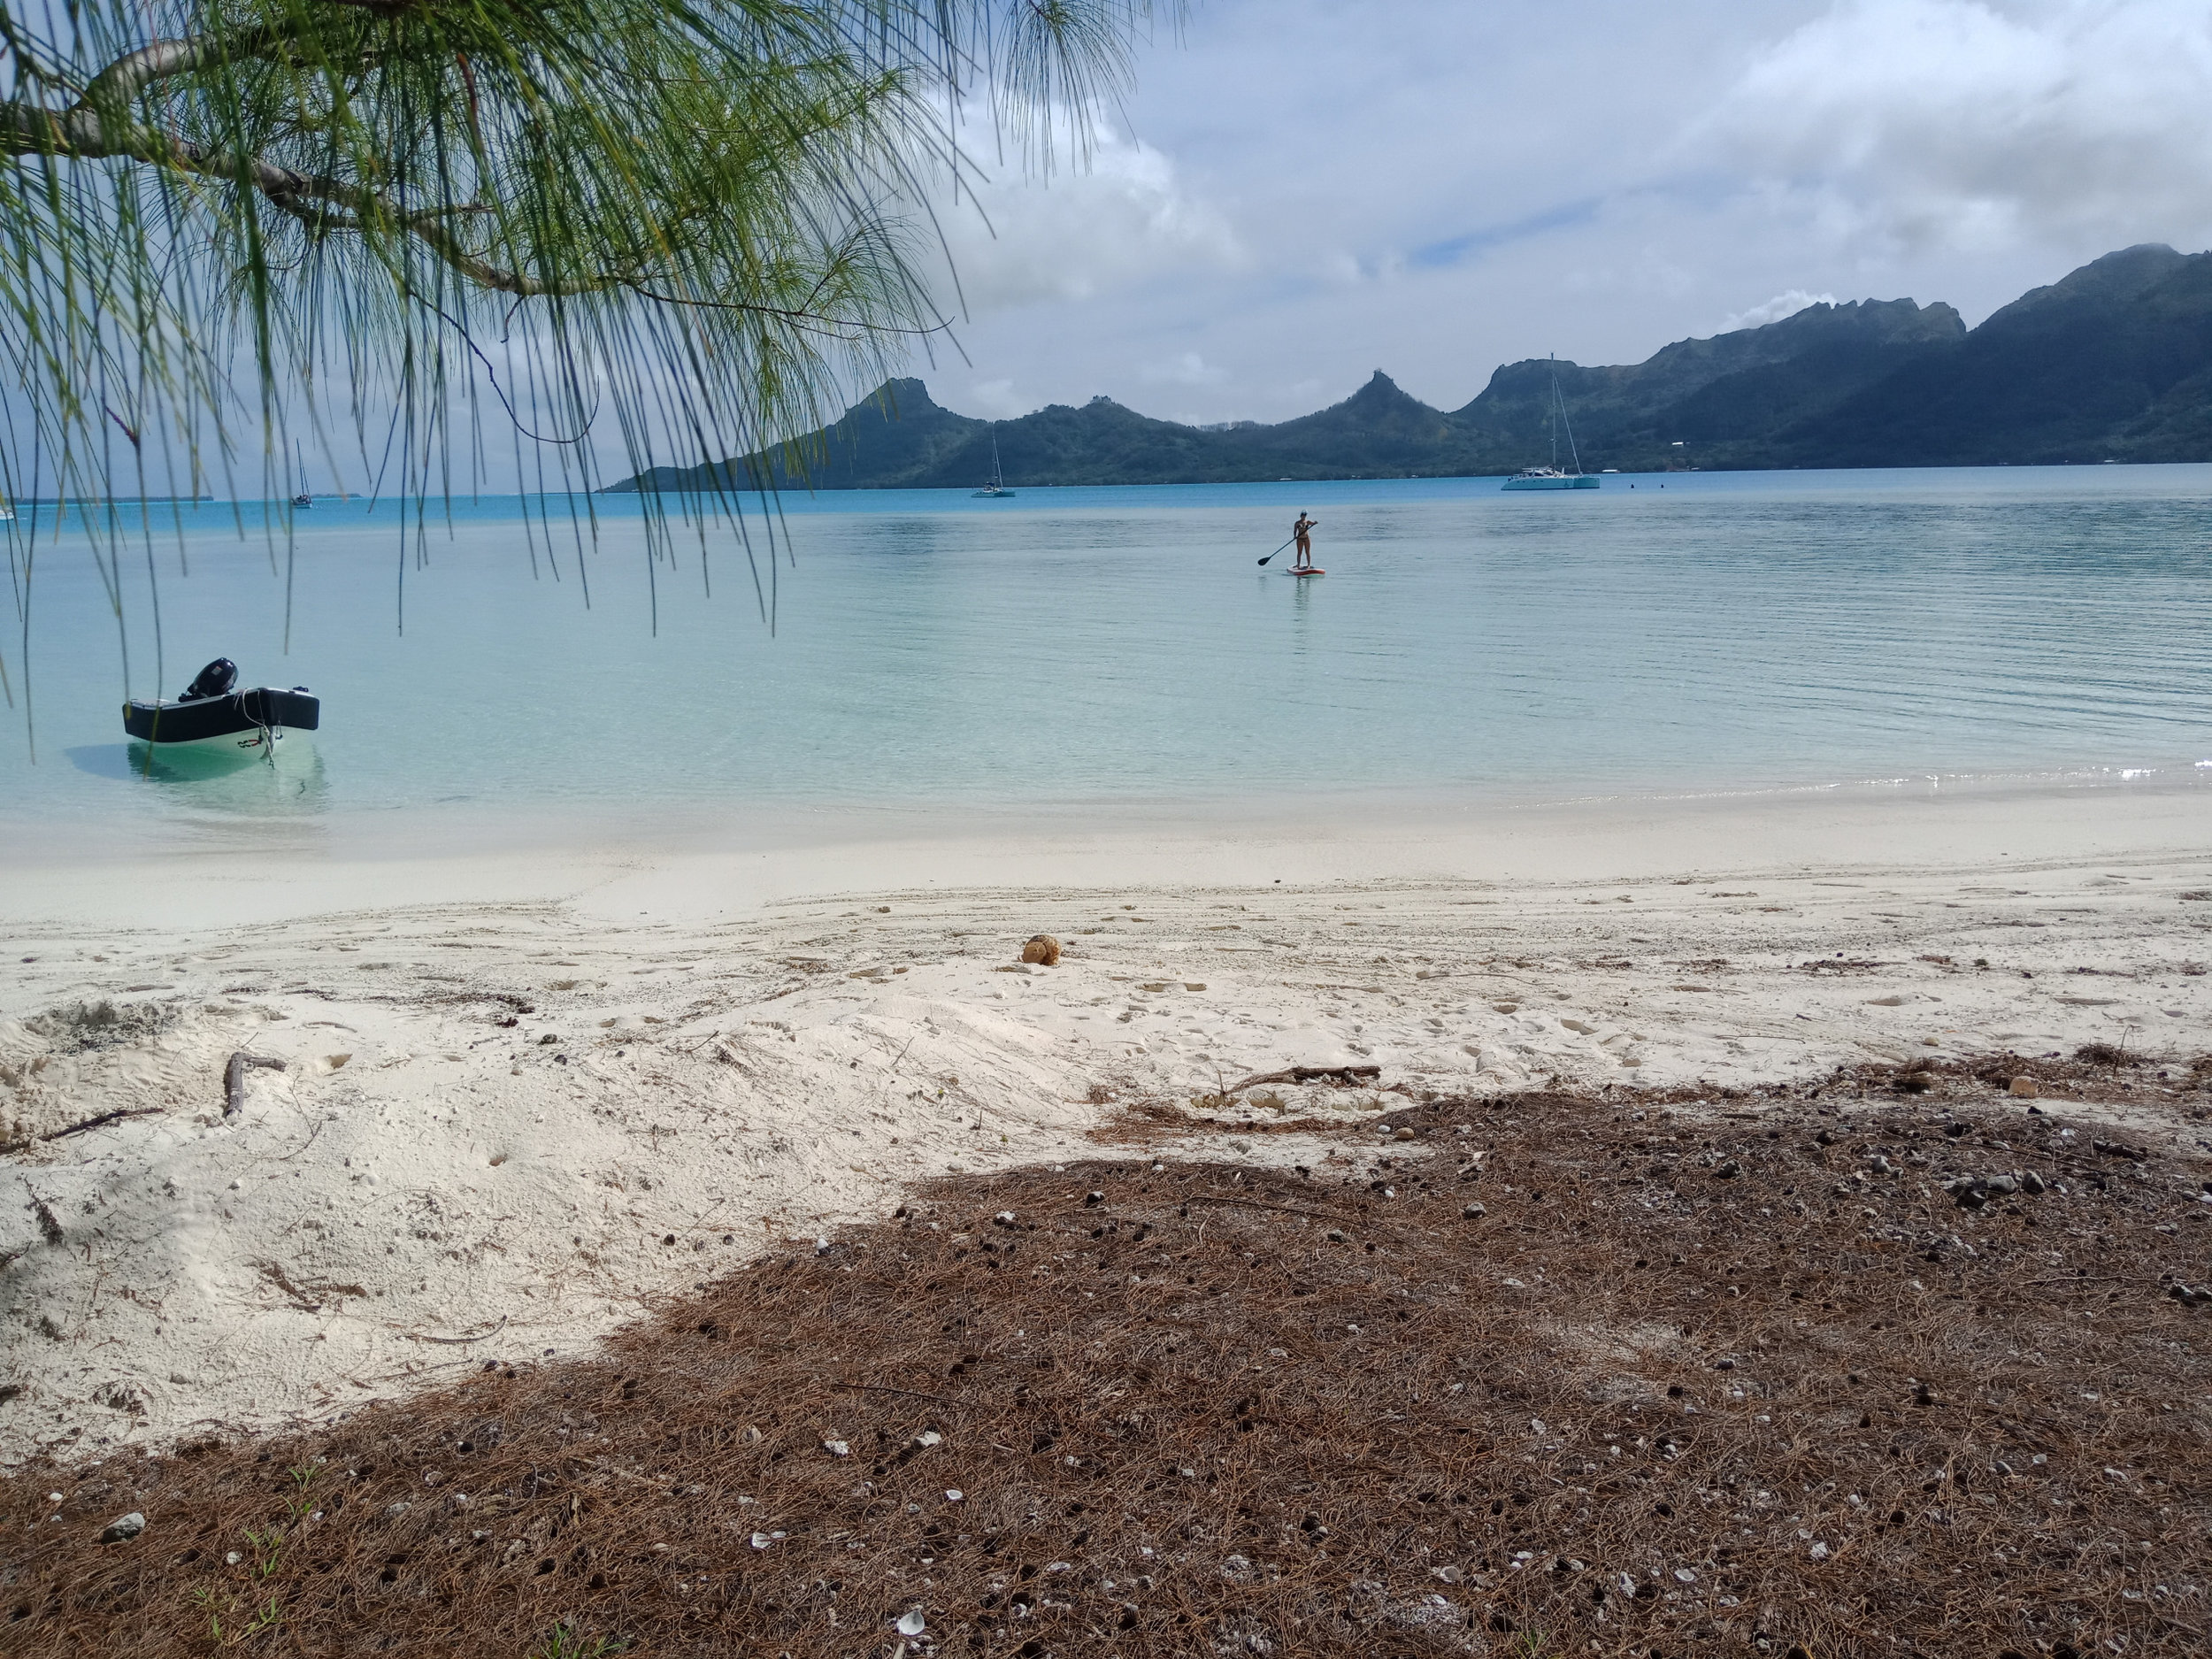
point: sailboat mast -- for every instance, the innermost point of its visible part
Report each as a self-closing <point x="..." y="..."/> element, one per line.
<point x="1559" y="398"/>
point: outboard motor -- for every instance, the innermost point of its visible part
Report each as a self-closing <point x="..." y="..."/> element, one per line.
<point x="215" y="679"/>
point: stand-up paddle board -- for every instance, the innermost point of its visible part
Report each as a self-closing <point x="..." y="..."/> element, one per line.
<point x="1310" y="570"/>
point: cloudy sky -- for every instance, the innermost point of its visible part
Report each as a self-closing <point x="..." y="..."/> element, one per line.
<point x="1303" y="191"/>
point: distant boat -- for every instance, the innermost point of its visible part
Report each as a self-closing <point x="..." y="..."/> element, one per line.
<point x="1551" y="477"/>
<point x="996" y="489"/>
<point x="7" y="510"/>
<point x="299" y="477"/>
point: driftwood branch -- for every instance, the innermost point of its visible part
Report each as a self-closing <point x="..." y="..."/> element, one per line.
<point x="1308" y="1074"/>
<point x="886" y="1389"/>
<point x="1254" y="1204"/>
<point x="235" y="1078"/>
<point x="458" y="1341"/>
<point x="116" y="1116"/>
<point x="306" y="1298"/>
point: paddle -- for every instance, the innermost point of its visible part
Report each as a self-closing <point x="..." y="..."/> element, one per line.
<point x="1279" y="549"/>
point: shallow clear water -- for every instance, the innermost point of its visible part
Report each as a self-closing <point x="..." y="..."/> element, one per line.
<point x="1725" y="631"/>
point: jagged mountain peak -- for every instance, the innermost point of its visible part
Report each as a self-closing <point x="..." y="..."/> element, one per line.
<point x="2114" y="360"/>
<point x="903" y="395"/>
<point x="1378" y="396"/>
<point x="1887" y="319"/>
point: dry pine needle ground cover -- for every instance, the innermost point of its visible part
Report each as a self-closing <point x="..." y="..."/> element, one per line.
<point x="1736" y="1378"/>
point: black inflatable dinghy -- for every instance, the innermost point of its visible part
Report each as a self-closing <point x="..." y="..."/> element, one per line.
<point x="212" y="715"/>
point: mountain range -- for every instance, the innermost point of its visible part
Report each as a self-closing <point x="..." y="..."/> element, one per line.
<point x="2113" y="362"/>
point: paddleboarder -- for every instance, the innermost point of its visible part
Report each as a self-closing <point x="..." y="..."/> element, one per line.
<point x="1301" y="533"/>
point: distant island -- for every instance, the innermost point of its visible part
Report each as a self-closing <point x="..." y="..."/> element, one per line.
<point x="2113" y="363"/>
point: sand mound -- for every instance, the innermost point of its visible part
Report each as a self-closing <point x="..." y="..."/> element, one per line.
<point x="514" y="1121"/>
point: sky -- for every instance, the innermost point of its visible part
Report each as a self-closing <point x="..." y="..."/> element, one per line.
<point x="1301" y="192"/>
<point x="1298" y="193"/>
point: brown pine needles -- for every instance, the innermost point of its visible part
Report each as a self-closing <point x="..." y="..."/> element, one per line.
<point x="1699" y="1381"/>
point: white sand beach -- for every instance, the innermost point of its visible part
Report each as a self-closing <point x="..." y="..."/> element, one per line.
<point x="526" y="1090"/>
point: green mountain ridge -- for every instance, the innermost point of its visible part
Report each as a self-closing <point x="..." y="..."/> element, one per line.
<point x="2113" y="361"/>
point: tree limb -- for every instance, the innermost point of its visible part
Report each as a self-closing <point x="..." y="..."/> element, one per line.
<point x="841" y="327"/>
<point x="117" y="85"/>
<point x="100" y="126"/>
<point x="84" y="134"/>
<point x="325" y="204"/>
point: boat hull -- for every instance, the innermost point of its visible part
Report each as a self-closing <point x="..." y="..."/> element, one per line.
<point x="1579" y="480"/>
<point x="238" y="721"/>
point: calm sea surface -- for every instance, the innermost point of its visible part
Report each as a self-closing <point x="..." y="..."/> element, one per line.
<point x="1727" y="631"/>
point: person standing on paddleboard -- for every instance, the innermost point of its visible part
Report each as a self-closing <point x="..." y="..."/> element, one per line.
<point x="1301" y="533"/>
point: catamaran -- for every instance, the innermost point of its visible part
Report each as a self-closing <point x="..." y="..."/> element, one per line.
<point x="996" y="489"/>
<point x="1551" y="477"/>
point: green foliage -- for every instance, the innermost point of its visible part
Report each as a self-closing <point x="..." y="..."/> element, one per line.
<point x="247" y="1620"/>
<point x="267" y="1551"/>
<point x="565" y="1642"/>
<point x="300" y="1501"/>
<point x="654" y="229"/>
<point x="233" y="1619"/>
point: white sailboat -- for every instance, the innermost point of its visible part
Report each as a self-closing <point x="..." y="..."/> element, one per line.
<point x="996" y="487"/>
<point x="1551" y="477"/>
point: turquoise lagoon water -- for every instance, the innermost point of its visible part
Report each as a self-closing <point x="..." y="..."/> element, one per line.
<point x="1098" y="646"/>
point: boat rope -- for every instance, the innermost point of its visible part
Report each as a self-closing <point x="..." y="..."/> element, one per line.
<point x="260" y="720"/>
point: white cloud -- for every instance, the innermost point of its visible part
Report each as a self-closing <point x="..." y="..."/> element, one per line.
<point x="1125" y="221"/>
<point x="995" y="400"/>
<point x="1775" y="309"/>
<point x="1186" y="369"/>
<point x="1899" y="125"/>
<point x="1329" y="186"/>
